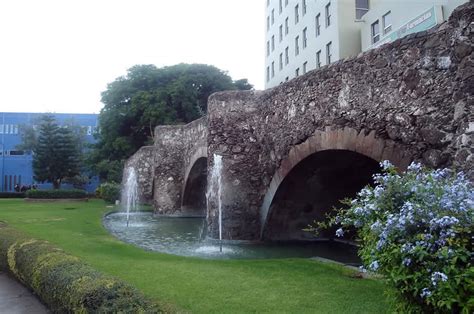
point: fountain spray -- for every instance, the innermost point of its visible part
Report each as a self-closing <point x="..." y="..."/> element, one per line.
<point x="216" y="184"/>
<point x="130" y="192"/>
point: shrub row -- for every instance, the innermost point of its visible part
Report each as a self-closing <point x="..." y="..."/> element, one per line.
<point x="56" y="194"/>
<point x="12" y="195"/>
<point x="64" y="283"/>
<point x="109" y="192"/>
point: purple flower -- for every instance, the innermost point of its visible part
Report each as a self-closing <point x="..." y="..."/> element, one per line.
<point x="374" y="265"/>
<point x="437" y="277"/>
<point x="406" y="262"/>
<point x="425" y="292"/>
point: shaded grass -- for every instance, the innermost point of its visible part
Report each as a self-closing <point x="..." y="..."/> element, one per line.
<point x="198" y="285"/>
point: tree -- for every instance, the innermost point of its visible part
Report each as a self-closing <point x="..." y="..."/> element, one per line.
<point x="29" y="138"/>
<point x="149" y="96"/>
<point x="56" y="154"/>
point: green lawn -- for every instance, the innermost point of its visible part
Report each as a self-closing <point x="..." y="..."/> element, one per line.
<point x="197" y="285"/>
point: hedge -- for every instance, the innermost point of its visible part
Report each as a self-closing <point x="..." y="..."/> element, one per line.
<point x="109" y="192"/>
<point x="56" y="194"/>
<point x="65" y="283"/>
<point x="12" y="195"/>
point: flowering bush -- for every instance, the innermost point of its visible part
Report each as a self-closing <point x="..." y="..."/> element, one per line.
<point x="417" y="230"/>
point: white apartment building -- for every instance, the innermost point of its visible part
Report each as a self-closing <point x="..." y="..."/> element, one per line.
<point x="388" y="20"/>
<point x="303" y="35"/>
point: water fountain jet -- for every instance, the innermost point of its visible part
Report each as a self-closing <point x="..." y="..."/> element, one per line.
<point x="216" y="184"/>
<point x="130" y="192"/>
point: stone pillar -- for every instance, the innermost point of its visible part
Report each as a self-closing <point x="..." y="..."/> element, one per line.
<point x="143" y="163"/>
<point x="168" y="176"/>
<point x="231" y="135"/>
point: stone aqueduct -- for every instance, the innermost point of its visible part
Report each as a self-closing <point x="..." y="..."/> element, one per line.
<point x="410" y="100"/>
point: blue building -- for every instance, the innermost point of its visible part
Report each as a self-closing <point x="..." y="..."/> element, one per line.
<point x="16" y="166"/>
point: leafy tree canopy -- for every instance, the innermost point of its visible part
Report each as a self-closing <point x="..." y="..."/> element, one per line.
<point x="56" y="152"/>
<point x="149" y="96"/>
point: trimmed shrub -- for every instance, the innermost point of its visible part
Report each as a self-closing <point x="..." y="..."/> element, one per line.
<point x="109" y="191"/>
<point x="12" y="195"/>
<point x="65" y="283"/>
<point x="56" y="194"/>
<point x="416" y="229"/>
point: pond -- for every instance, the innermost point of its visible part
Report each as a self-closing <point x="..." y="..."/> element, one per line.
<point x="186" y="237"/>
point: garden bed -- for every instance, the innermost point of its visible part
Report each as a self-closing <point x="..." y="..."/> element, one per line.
<point x="46" y="200"/>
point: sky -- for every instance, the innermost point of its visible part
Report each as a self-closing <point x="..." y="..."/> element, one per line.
<point x="59" y="55"/>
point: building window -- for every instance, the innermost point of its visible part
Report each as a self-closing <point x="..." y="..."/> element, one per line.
<point x="281" y="62"/>
<point x="387" y="22"/>
<point x="375" y="29"/>
<point x="286" y="3"/>
<point x="286" y="79"/>
<point x="362" y="7"/>
<point x="297" y="45"/>
<point x="16" y="128"/>
<point x="305" y="38"/>
<point x="273" y="16"/>
<point x="318" y="59"/>
<point x="268" y="23"/>
<point x="297" y="72"/>
<point x="303" y="6"/>
<point x="273" y="42"/>
<point x="17" y="152"/>
<point x="287" y="27"/>
<point x="297" y="14"/>
<point x="280" y="33"/>
<point x="268" y="74"/>
<point x="318" y="25"/>
<point x="287" y="55"/>
<point x="280" y="6"/>
<point x="1" y="128"/>
<point x="268" y="48"/>
<point x="7" y="127"/>
<point x="273" y="69"/>
<point x="305" y="67"/>
<point x="328" y="53"/>
<point x="268" y="3"/>
<point x="328" y="14"/>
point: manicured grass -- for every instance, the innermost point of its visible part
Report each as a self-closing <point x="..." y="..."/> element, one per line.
<point x="198" y="285"/>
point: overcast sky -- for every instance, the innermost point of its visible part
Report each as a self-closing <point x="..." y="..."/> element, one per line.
<point x="59" y="55"/>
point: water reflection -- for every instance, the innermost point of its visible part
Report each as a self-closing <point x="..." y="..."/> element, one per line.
<point x="185" y="236"/>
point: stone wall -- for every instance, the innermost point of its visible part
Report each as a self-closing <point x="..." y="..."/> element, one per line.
<point x="143" y="161"/>
<point x="177" y="148"/>
<point x="408" y="100"/>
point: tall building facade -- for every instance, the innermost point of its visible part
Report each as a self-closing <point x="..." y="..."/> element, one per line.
<point x="387" y="21"/>
<point x="16" y="166"/>
<point x="303" y="35"/>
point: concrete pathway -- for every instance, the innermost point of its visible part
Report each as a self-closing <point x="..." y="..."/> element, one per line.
<point x="16" y="299"/>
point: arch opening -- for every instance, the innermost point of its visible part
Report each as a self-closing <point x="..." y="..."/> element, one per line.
<point x="194" y="196"/>
<point x="312" y="188"/>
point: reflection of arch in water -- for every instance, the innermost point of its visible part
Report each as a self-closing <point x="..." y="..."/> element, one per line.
<point x="194" y="190"/>
<point x="336" y="150"/>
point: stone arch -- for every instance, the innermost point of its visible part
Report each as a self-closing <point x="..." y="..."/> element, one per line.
<point x="348" y="139"/>
<point x="197" y="163"/>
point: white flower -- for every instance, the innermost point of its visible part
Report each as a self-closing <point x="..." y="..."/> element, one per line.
<point x="374" y="265"/>
<point x="385" y="165"/>
<point x="425" y="292"/>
